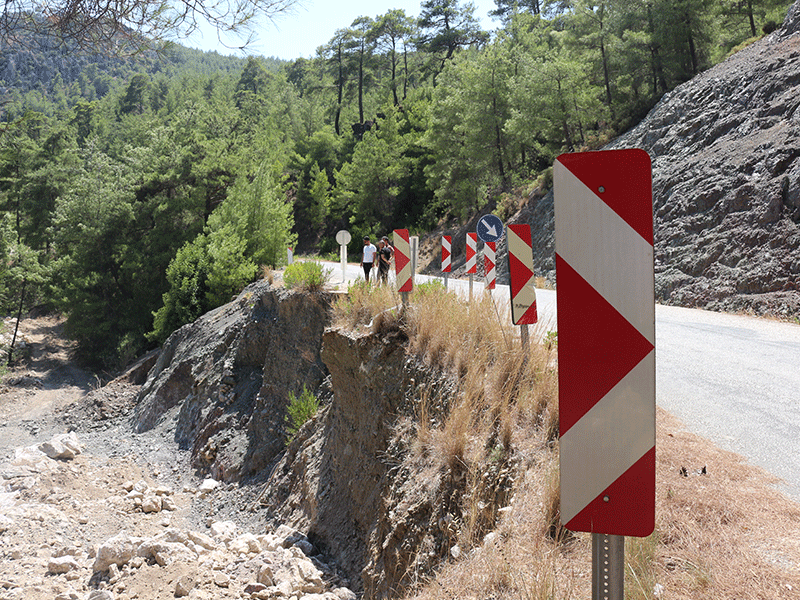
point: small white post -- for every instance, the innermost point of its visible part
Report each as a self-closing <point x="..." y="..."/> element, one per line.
<point x="343" y="259"/>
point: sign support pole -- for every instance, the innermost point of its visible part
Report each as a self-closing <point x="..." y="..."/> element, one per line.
<point x="470" y="287"/>
<point x="446" y="278"/>
<point x="343" y="238"/>
<point x="608" y="567"/>
<point x="526" y="343"/>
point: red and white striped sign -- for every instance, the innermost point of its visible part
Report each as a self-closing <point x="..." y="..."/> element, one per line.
<point x="402" y="260"/>
<point x="472" y="250"/>
<point x="489" y="259"/>
<point x="447" y="244"/>
<point x="606" y="341"/>
<point x="520" y="270"/>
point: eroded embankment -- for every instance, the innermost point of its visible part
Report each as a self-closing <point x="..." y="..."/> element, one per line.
<point x="354" y="479"/>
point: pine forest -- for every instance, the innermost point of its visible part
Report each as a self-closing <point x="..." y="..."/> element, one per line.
<point x="138" y="192"/>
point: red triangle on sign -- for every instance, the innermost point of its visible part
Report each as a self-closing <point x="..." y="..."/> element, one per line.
<point x="445" y="253"/>
<point x="520" y="274"/>
<point x="625" y="177"/>
<point x="400" y="261"/>
<point x="626" y="507"/>
<point x="530" y="317"/>
<point x="597" y="346"/>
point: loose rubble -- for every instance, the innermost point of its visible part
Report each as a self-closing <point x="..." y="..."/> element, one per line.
<point x="223" y="561"/>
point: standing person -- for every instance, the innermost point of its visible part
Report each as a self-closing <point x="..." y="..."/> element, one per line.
<point x="368" y="257"/>
<point x="384" y="260"/>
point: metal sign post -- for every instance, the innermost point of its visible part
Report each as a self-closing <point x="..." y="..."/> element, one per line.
<point x="343" y="238"/>
<point x="608" y="567"/>
<point x="606" y="346"/>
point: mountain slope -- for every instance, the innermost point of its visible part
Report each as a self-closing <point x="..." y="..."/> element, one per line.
<point x="725" y="148"/>
<point x="726" y="181"/>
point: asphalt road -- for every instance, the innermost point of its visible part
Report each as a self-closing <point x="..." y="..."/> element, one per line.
<point x="734" y="380"/>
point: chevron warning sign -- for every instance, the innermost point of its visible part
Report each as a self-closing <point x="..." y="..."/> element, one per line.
<point x="606" y="341"/>
<point x="402" y="260"/>
<point x="472" y="250"/>
<point x="489" y="260"/>
<point x="447" y="244"/>
<point x="520" y="270"/>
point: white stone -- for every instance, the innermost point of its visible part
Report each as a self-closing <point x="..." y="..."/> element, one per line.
<point x="165" y="553"/>
<point x="225" y="530"/>
<point x="62" y="564"/>
<point x="244" y="544"/>
<point x="151" y="504"/>
<point x="118" y="550"/>
<point x="184" y="586"/>
<point x="344" y="593"/>
<point x="63" y="446"/>
<point x="221" y="579"/>
<point x="207" y="486"/>
<point x="202" y="539"/>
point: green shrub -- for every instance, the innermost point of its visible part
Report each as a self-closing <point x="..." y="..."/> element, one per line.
<point x="430" y="288"/>
<point x="300" y="410"/>
<point x="310" y="276"/>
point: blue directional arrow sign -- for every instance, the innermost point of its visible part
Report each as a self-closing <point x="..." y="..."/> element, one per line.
<point x="490" y="228"/>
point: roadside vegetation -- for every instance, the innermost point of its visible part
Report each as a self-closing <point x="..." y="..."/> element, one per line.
<point x="722" y="529"/>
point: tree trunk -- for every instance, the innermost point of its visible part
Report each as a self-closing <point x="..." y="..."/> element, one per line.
<point x="16" y="327"/>
<point x="340" y="86"/>
<point x="394" y="75"/>
<point x="361" y="85"/>
<point x="606" y="76"/>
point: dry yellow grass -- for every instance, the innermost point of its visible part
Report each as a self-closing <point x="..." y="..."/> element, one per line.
<point x="720" y="535"/>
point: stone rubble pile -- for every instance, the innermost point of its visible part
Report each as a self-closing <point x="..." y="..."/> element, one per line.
<point x="7" y="327"/>
<point x="223" y="562"/>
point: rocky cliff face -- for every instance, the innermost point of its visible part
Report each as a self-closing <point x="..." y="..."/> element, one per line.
<point x="226" y="378"/>
<point x="726" y="181"/>
<point x="725" y="148"/>
<point x="348" y="480"/>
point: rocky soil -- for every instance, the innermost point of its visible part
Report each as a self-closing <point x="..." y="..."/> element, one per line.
<point x="90" y="509"/>
<point x="182" y="463"/>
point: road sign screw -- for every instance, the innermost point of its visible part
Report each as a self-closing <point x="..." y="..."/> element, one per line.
<point x="606" y="498"/>
<point x="601" y="189"/>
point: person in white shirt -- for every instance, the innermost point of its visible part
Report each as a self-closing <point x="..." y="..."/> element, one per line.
<point x="368" y="257"/>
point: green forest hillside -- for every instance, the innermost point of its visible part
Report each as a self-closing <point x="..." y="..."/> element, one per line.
<point x="136" y="194"/>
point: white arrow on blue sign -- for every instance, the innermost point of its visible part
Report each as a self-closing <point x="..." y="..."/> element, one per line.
<point x="490" y="228"/>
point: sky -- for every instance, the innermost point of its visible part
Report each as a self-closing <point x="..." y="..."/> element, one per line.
<point x="314" y="23"/>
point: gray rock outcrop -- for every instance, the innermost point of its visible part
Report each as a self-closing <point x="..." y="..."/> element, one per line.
<point x="226" y="378"/>
<point x="725" y="148"/>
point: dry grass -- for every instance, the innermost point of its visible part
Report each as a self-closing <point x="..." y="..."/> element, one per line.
<point x="720" y="535"/>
